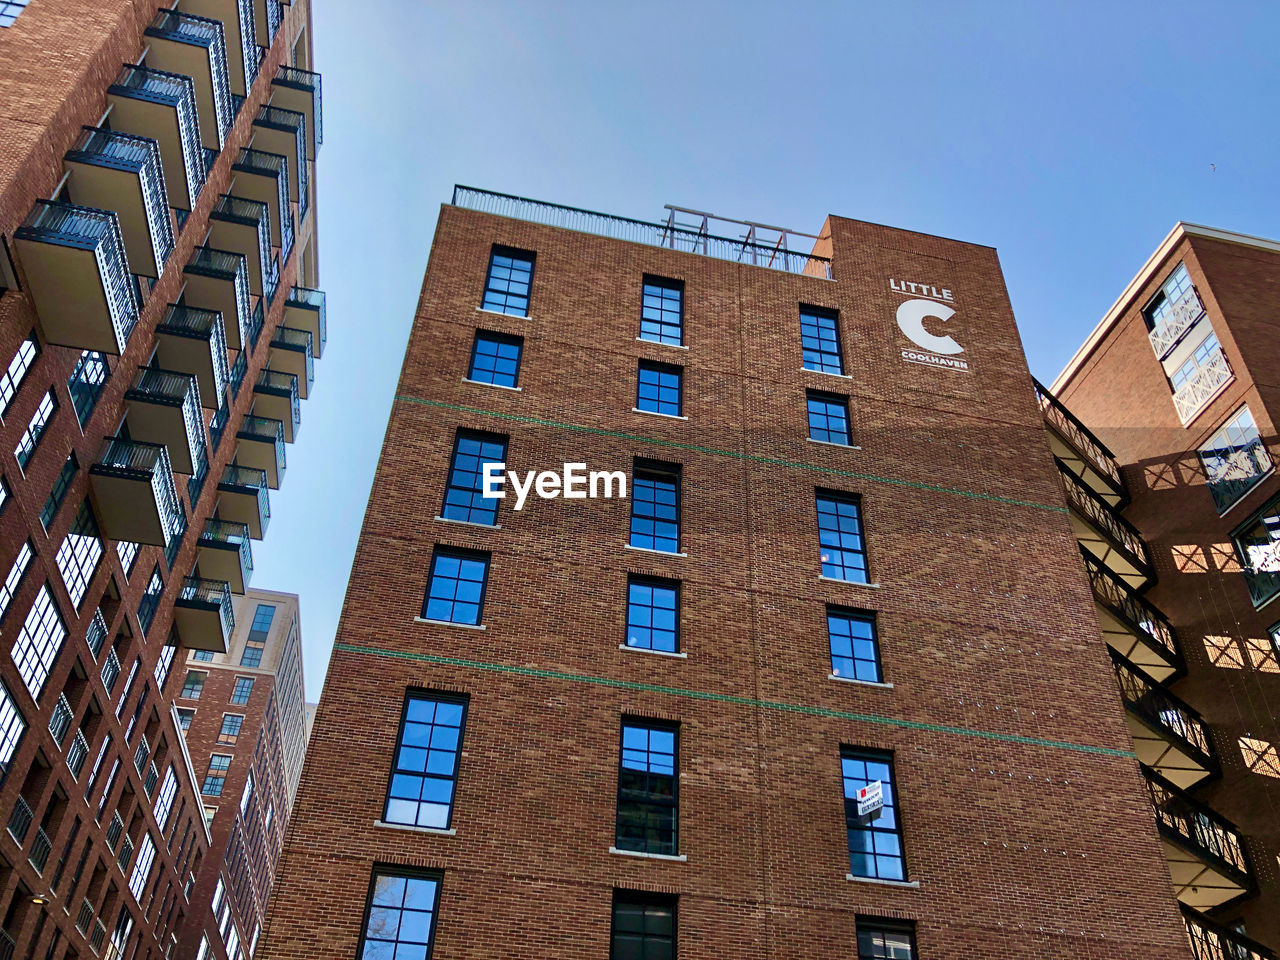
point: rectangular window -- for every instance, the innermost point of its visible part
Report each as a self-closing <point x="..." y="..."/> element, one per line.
<point x="256" y="642"/>
<point x="843" y="552"/>
<point x="400" y="920"/>
<point x="219" y="763"/>
<point x="1160" y="309"/>
<point x="1235" y="459"/>
<point x="875" y="841"/>
<point x="1209" y="349"/>
<point x="828" y="418"/>
<point x="885" y="939"/>
<point x="185" y="716"/>
<point x="495" y="358"/>
<point x="455" y="591"/>
<point x="658" y="388"/>
<point x="12" y="727"/>
<point x="247" y="796"/>
<point x="79" y="554"/>
<point x="9" y="10"/>
<point x="243" y="690"/>
<point x="164" y="663"/>
<point x="230" y="732"/>
<point x="26" y="448"/>
<point x="142" y="866"/>
<point x="644" y="926"/>
<point x="506" y="290"/>
<point x="39" y="642"/>
<point x="19" y="366"/>
<point x="14" y="578"/>
<point x="86" y="382"/>
<point x="463" y="499"/>
<point x="164" y="799"/>
<point x="820" y="340"/>
<point x="4" y="494"/>
<point x="127" y="551"/>
<point x="58" y="492"/>
<point x="855" y="651"/>
<point x="205" y="656"/>
<point x="655" y="506"/>
<point x="662" y="311"/>
<point x="653" y="614"/>
<point x="647" y="782"/>
<point x="425" y="769"/>
<point x="193" y="686"/>
<point x="150" y="601"/>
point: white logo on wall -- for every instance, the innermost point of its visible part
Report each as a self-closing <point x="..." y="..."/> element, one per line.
<point x="927" y="303"/>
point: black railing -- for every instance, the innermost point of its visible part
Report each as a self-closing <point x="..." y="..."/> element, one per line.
<point x="146" y="461"/>
<point x="248" y="213"/>
<point x="263" y="164"/>
<point x="97" y="633"/>
<point x="1163" y="711"/>
<point x="255" y="325"/>
<point x="248" y="480"/>
<point x="40" y="849"/>
<point x="76" y="754"/>
<point x="20" y="818"/>
<point x="110" y="670"/>
<point x="218" y="426"/>
<point x="291" y="338"/>
<point x="201" y="31"/>
<point x="266" y="430"/>
<point x="229" y="534"/>
<point x="198" y="324"/>
<point x="309" y="299"/>
<point x="301" y="79"/>
<point x="238" y="370"/>
<point x="1132" y="610"/>
<point x="225" y="265"/>
<point x="1079" y="437"/>
<point x="209" y="593"/>
<point x="1234" y="471"/>
<point x="1104" y="517"/>
<point x="179" y="92"/>
<point x="275" y="17"/>
<point x="1195" y="827"/>
<point x="1211" y="940"/>
<point x="60" y="719"/>
<point x="282" y="385"/>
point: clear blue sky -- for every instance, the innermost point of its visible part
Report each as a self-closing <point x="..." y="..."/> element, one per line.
<point x="1070" y="136"/>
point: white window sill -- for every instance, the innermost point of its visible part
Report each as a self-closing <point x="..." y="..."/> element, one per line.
<point x="849" y="583"/>
<point x="450" y="623"/>
<point x="656" y="553"/>
<point x="828" y="443"/>
<point x="659" y="343"/>
<point x="499" y="313"/>
<point x="655" y="413"/>
<point x="908" y="884"/>
<point x="660" y="653"/>
<point x="648" y="856"/>
<point x="412" y="829"/>
<point x="864" y="683"/>
<point x="469" y="523"/>
<point x="827" y="373"/>
<point x="500" y="386"/>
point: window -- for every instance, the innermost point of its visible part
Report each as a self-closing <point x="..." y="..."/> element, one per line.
<point x="655" y="506"/>
<point x="209" y="814"/>
<point x="164" y="799"/>
<point x="1235" y="459"/>
<point x="39" y="642"/>
<point x="658" y="388"/>
<point x="256" y="642"/>
<point x="495" y="358"/>
<point x="127" y="551"/>
<point x="26" y="448"/>
<point x="185" y="715"/>
<point x="843" y="553"/>
<point x="219" y="763"/>
<point x="401" y="916"/>
<point x="203" y="952"/>
<point x="12" y="727"/>
<point x="885" y="940"/>
<point x="463" y="499"/>
<point x="142" y="866"/>
<point x="230" y="732"/>
<point x="204" y="656"/>
<point x="644" y="926"/>
<point x="12" y="379"/>
<point x="242" y="690"/>
<point x="4" y="494"/>
<point x="164" y="663"/>
<point x="193" y="686"/>
<point x="86" y="382"/>
<point x="79" y="554"/>
<point x="855" y="651"/>
<point x="247" y="796"/>
<point x="9" y="10"/>
<point x="662" y="311"/>
<point x="425" y="768"/>
<point x="14" y="578"/>
<point x="455" y="592"/>
<point x="507" y="288"/>
<point x="233" y="941"/>
<point x="875" y="842"/>
<point x="653" y="614"/>
<point x="1160" y="309"/>
<point x="58" y="492"/>
<point x="820" y="340"/>
<point x="1203" y="355"/>
<point x="828" y="418"/>
<point x="150" y="601"/>
<point x="647" y="802"/>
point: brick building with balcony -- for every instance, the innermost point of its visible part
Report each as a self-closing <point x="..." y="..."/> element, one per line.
<point x="158" y="317"/>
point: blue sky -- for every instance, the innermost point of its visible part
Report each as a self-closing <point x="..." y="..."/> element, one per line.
<point x="1069" y="136"/>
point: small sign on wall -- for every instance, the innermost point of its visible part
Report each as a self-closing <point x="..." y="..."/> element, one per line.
<point x="870" y="801"/>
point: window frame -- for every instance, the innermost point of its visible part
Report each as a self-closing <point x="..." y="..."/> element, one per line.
<point x="460" y="553"/>
<point x="235" y="690"/>
<point x="854" y="499"/>
<point x="507" y="339"/>
<point x="864" y="923"/>
<point x="661" y="283"/>
<point x="819" y="313"/>
<point x="383" y="869"/>
<point x="512" y="253"/>
<point x="641" y="465"/>
<point x="481" y="437"/>
<point x="458" y="699"/>
<point x="865" y="616"/>
<point x="644" y="580"/>
<point x="646" y="898"/>
<point x="886" y="757"/>
<point x="650" y="724"/>
<point x="661" y="369"/>
<point x="831" y="399"/>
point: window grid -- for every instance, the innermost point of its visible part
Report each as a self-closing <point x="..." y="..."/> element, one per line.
<point x="875" y="847"/>
<point x="842" y="549"/>
<point x="855" y="650"/>
<point x="19" y="366"/>
<point x="185" y="716"/>
<point x="142" y="866"/>
<point x="828" y="418"/>
<point x="1234" y="459"/>
<point x="1208" y="349"/>
<point x="39" y="422"/>
<point x="659" y="388"/>
<point x="400" y="921"/>
<point x="79" y="554"/>
<point x="506" y="288"/>
<point x="495" y="358"/>
<point x="463" y="497"/>
<point x="150" y="601"/>
<point x="820" y="340"/>
<point x="9" y="10"/>
<point x="644" y="926"/>
<point x="424" y="773"/>
<point x="216" y="776"/>
<point x="164" y="799"/>
<point x="39" y="642"/>
<point x="86" y="382"/>
<point x="243" y="690"/>
<point x="647" y="785"/>
<point x="1171" y="291"/>
<point x="662" y="311"/>
<point x="256" y="642"/>
<point x="881" y="940"/>
<point x="14" y="578"/>
<point x="653" y="614"/>
<point x="164" y="663"/>
<point x="193" y="685"/>
<point x="12" y="727"/>
<point x="202" y="655"/>
<point x="230" y="732"/>
<point x="655" y="508"/>
<point x="127" y="551"/>
<point x="456" y="588"/>
<point x="58" y="492"/>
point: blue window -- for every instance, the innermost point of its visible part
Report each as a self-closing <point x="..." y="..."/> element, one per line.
<point x="30" y="439"/>
<point x="506" y="290"/>
<point x="875" y="841"/>
<point x="820" y="340"/>
<point x="205" y="655"/>
<point x="401" y="917"/>
<point x="495" y="358"/>
<point x="242" y="690"/>
<point x="426" y="763"/>
<point x="256" y="643"/>
<point x="150" y="601"/>
<point x="828" y="418"/>
<point x="662" y="311"/>
<point x="655" y="507"/>
<point x="855" y="651"/>
<point x="463" y="498"/>
<point x="9" y="10"/>
<point x="455" y="591"/>
<point x="658" y="388"/>
<point x="844" y="555"/>
<point x="653" y="614"/>
<point x="647" y="784"/>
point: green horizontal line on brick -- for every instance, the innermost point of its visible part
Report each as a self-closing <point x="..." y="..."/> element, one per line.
<point x="801" y="708"/>
<point x="734" y="454"/>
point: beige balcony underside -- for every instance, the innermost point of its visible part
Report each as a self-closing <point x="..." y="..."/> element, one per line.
<point x="1082" y="468"/>
<point x="284" y="143"/>
<point x="238" y="238"/>
<point x="1120" y="637"/>
<point x="228" y="11"/>
<point x="222" y="563"/>
<point x="199" y="626"/>
<point x="241" y="508"/>
<point x="275" y="407"/>
<point x="159" y="122"/>
<point x="214" y="293"/>
<point x="1164" y="756"/>
<point x="260" y="454"/>
<point x="190" y="355"/>
<point x="193" y="60"/>
<point x="299" y="101"/>
<point x="1196" y="882"/>
<point x="1106" y="553"/>
<point x="128" y="509"/>
<point x="253" y="186"/>
<point x="287" y="360"/>
<point x="71" y="301"/>
<point x="164" y="424"/>
<point x="303" y="318"/>
<point x="120" y="190"/>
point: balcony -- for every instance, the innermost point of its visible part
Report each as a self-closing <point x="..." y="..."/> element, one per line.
<point x="264" y="177"/>
<point x="133" y="487"/>
<point x="19" y="821"/>
<point x="267" y="18"/>
<point x="1168" y="735"/>
<point x="243" y="227"/>
<point x="1104" y="534"/>
<point x="299" y="90"/>
<point x="40" y="849"/>
<point x="224" y="553"/>
<point x="1181" y="317"/>
<point x="76" y="754"/>
<point x="97" y="633"/>
<point x="1206" y="853"/>
<point x="262" y="447"/>
<point x="1207" y="382"/>
<point x="275" y="396"/>
<point x="203" y="614"/>
<point x="238" y="371"/>
<point x="121" y="172"/>
<point x="218" y="280"/>
<point x="243" y="498"/>
<point x="110" y="670"/>
<point x="194" y="46"/>
<point x="1235" y="470"/>
<point x="240" y="35"/>
<point x="162" y="107"/>
<point x="291" y="352"/>
<point x="114" y="831"/>
<point x="1132" y="626"/>
<point x="60" y="719"/>
<point x="305" y="310"/>
<point x="78" y="276"/>
<point x="164" y="408"/>
<point x="1214" y="941"/>
<point x="194" y="341"/>
<point x="1080" y="451"/>
<point x="276" y="130"/>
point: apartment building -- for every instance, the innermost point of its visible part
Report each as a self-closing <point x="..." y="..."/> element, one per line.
<point x="159" y="324"/>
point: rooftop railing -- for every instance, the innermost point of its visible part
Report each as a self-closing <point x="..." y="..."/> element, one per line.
<point x="177" y="91"/>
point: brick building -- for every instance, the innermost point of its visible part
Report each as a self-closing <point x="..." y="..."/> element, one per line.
<point x="158" y="325"/>
<point x="245" y="717"/>
<point x="636" y="726"/>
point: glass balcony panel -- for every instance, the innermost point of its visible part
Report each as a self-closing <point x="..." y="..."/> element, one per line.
<point x="264" y="177"/>
<point x="243" y="226"/>
<point x="165" y="408"/>
<point x="305" y="310"/>
<point x="203" y="614"/>
<point x="262" y="447"/>
<point x="292" y="352"/>
<point x="275" y="396"/>
<point x="194" y="46"/>
<point x="193" y="341"/>
<point x="134" y="488"/>
<point x="225" y="553"/>
<point x="218" y="280"/>
<point x="162" y="106"/>
<point x="243" y="497"/>
<point x="299" y="90"/>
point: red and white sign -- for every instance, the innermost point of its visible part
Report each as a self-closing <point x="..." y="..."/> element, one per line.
<point x="870" y="799"/>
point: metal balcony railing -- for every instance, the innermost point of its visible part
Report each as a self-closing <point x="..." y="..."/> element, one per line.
<point x="99" y="934"/>
<point x="264" y="164"/>
<point x="301" y="79"/>
<point x="1080" y="438"/>
<point x="179" y="92"/>
<point x="114" y="829"/>
<point x="177" y="390"/>
<point x="219" y="533"/>
<point x="1234" y="471"/>
<point x="85" y="917"/>
<point x="98" y="230"/>
<point x="126" y="854"/>
<point x="275" y="17"/>
<point x="201" y="31"/>
<point x="1130" y="608"/>
<point x="238" y="371"/>
<point x="290" y="121"/>
<point x="290" y="338"/>
<point x="312" y="300"/>
<point x="1161" y="710"/>
<point x="1181" y="316"/>
<point x="284" y="384"/>
<point x="142" y="754"/>
<point x="149" y="781"/>
<point x="40" y="849"/>
<point x="218" y="426"/>
<point x="262" y="428"/>
<point x="60" y="719"/>
<point x="76" y="754"/>
<point x="248" y="213"/>
<point x="249" y="53"/>
<point x="86" y="383"/>
<point x="97" y="633"/>
<point x="271" y="278"/>
<point x="640" y="231"/>
<point x="1104" y="518"/>
<point x="214" y="593"/>
<point x="250" y="479"/>
<point x="7" y="946"/>
<point x="255" y="325"/>
<point x="110" y="670"/>
<point x="1214" y="941"/>
<point x="225" y="265"/>
<point x="1203" y="386"/>
<point x="1192" y="825"/>
<point x="19" y="821"/>
<point x="149" y="461"/>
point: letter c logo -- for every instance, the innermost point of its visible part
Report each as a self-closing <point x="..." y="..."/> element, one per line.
<point x="911" y="317"/>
